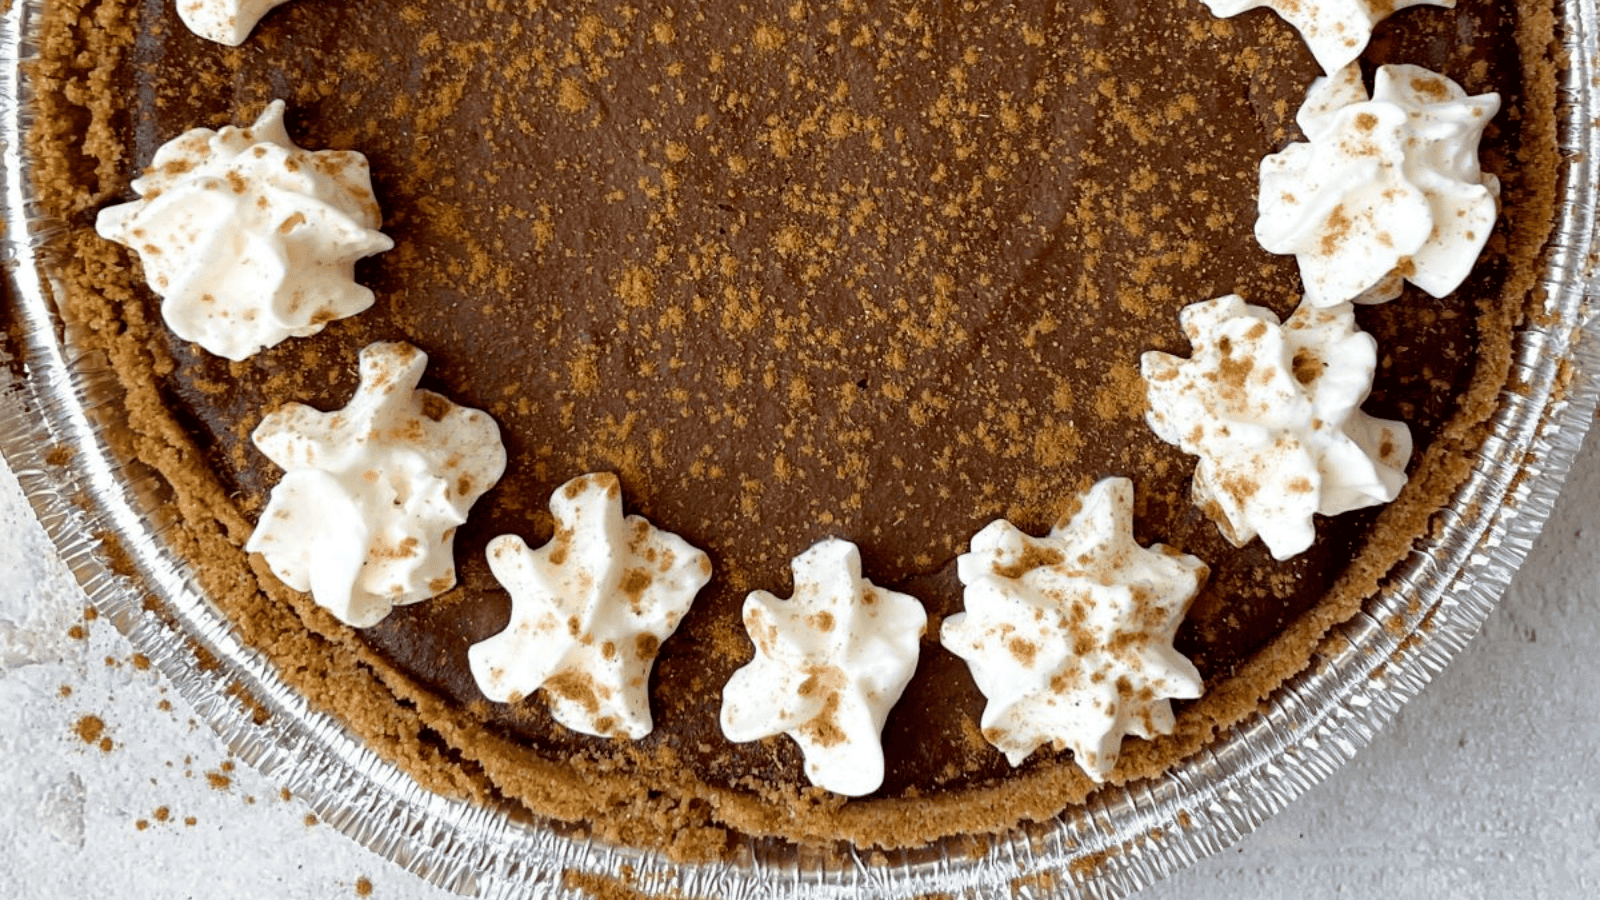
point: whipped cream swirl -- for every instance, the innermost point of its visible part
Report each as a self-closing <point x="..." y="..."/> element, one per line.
<point x="365" y="516"/>
<point x="1069" y="636"/>
<point x="249" y="239"/>
<point x="589" y="611"/>
<point x="1336" y="31"/>
<point x="224" y="21"/>
<point x="1274" y="414"/>
<point x="830" y="663"/>
<point x="1386" y="189"/>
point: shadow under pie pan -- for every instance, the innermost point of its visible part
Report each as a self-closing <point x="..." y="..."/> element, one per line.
<point x="111" y="520"/>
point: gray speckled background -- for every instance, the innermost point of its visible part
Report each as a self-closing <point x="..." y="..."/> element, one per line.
<point x="1488" y="785"/>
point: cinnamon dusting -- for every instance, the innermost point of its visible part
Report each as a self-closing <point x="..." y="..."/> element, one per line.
<point x="902" y="307"/>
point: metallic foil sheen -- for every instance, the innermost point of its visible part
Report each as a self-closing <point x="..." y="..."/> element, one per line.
<point x="54" y="398"/>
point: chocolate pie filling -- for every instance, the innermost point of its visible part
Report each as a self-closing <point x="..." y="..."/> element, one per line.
<point x="879" y="271"/>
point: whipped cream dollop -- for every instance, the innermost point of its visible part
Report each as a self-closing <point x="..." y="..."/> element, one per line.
<point x="249" y="239"/>
<point x="830" y="663"/>
<point x="1336" y="31"/>
<point x="1386" y="189"/>
<point x="1274" y="414"/>
<point x="366" y="514"/>
<point x="224" y="21"/>
<point x="589" y="611"/>
<point x="1069" y="636"/>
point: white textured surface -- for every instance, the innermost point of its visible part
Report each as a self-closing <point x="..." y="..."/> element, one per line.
<point x="1488" y="785"/>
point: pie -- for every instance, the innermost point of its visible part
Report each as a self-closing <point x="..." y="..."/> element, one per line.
<point x="792" y="272"/>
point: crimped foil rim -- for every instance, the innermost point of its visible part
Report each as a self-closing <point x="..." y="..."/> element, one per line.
<point x="1122" y="839"/>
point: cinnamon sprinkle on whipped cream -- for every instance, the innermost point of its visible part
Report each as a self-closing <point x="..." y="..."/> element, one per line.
<point x="830" y="663"/>
<point x="1070" y="636"/>
<point x="1384" y="190"/>
<point x="1274" y="413"/>
<point x="589" y="611"/>
<point x="224" y="21"/>
<point x="248" y="239"/>
<point x="366" y="514"/>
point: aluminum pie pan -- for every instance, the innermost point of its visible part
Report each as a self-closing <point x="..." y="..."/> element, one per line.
<point x="59" y="413"/>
